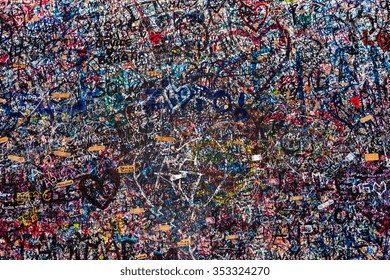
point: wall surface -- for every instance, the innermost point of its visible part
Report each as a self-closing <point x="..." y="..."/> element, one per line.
<point x="204" y="129"/>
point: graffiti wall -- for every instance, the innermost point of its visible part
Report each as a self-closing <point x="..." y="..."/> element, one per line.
<point x="199" y="129"/>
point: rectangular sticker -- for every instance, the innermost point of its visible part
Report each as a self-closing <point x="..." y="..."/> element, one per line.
<point x="175" y="177"/>
<point x="137" y="210"/>
<point x="166" y="139"/>
<point x="141" y="257"/>
<point x="3" y="139"/>
<point x="61" y="154"/>
<point x="326" y="204"/>
<point x="164" y="227"/>
<point x="153" y="73"/>
<point x="371" y="157"/>
<point x="184" y="242"/>
<point x="65" y="183"/>
<point x="61" y="95"/>
<point x="366" y="119"/>
<point x="230" y="237"/>
<point x="256" y="157"/>
<point x="96" y="148"/>
<point x="295" y="198"/>
<point x="21" y="66"/>
<point x="126" y="169"/>
<point x="16" y="158"/>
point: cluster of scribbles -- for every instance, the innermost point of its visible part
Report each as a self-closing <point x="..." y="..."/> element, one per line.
<point x="194" y="129"/>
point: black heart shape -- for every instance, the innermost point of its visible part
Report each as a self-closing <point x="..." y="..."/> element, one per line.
<point x="100" y="192"/>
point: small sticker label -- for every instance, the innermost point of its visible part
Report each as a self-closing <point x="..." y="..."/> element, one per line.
<point x="371" y="157"/>
<point x="153" y="73"/>
<point x="141" y="257"/>
<point x="366" y="119"/>
<point x="257" y="157"/>
<point x="61" y="95"/>
<point x="164" y="227"/>
<point x="65" y="184"/>
<point x="166" y="139"/>
<point x="326" y="204"/>
<point x="16" y="158"/>
<point x="21" y="66"/>
<point x="137" y="210"/>
<point x="3" y="139"/>
<point x="230" y="237"/>
<point x="126" y="169"/>
<point x="96" y="148"/>
<point x="175" y="177"/>
<point x="62" y="154"/>
<point x="295" y="198"/>
<point x="184" y="242"/>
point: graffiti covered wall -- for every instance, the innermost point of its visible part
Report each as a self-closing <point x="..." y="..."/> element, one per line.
<point x="201" y="129"/>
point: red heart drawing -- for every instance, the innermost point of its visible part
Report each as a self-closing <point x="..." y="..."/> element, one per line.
<point x="254" y="16"/>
